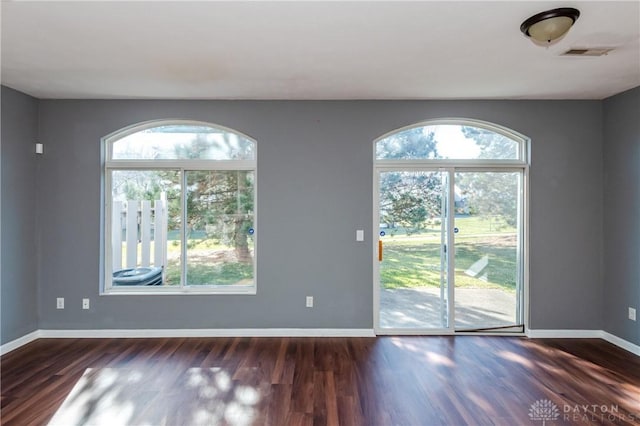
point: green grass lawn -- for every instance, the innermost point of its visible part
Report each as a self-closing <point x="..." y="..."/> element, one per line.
<point x="208" y="265"/>
<point x="485" y="257"/>
<point x="207" y="274"/>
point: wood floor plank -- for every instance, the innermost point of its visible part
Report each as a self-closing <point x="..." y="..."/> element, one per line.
<point x="276" y="374"/>
<point x="303" y="378"/>
<point x="279" y="406"/>
<point x="439" y="380"/>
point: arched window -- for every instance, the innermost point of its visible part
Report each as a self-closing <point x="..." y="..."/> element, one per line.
<point x="179" y="209"/>
<point x="183" y="142"/>
<point x="452" y="140"/>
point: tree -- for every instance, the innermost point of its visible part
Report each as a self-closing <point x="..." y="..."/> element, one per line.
<point x="414" y="143"/>
<point x="219" y="202"/>
<point x="491" y="193"/>
<point x="492" y="145"/>
<point x="409" y="199"/>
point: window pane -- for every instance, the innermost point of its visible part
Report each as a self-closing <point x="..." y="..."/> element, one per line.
<point x="413" y="268"/>
<point x="444" y="141"/>
<point x="220" y="247"/>
<point x="145" y="227"/>
<point x="183" y="142"/>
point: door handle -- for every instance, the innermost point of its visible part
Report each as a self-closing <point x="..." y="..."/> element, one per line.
<point x="379" y="250"/>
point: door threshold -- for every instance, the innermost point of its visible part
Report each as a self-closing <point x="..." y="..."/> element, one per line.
<point x="517" y="328"/>
<point x="448" y="333"/>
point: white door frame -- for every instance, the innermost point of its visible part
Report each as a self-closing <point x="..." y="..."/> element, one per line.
<point x="451" y="169"/>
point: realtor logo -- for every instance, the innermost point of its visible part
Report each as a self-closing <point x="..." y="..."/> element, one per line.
<point x="544" y="410"/>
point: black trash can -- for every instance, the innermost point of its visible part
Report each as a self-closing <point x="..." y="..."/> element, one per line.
<point x="138" y="276"/>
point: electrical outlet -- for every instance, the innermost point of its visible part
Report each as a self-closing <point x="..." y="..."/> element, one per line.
<point x="85" y="304"/>
<point x="60" y="303"/>
<point x="632" y="314"/>
<point x="309" y="301"/>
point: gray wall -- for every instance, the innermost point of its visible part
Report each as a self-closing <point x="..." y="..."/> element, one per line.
<point x="315" y="190"/>
<point x="18" y="180"/>
<point x="621" y="284"/>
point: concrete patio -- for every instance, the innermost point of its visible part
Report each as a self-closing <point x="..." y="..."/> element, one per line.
<point x="420" y="307"/>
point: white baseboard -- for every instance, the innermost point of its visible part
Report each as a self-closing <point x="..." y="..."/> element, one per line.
<point x="211" y="332"/>
<point x="564" y="334"/>
<point x="585" y="334"/>
<point x="624" y="344"/>
<point x="20" y="341"/>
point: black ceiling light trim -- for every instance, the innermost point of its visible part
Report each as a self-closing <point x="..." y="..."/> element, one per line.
<point x="567" y="12"/>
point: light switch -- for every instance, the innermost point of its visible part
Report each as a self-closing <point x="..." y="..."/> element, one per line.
<point x="359" y="235"/>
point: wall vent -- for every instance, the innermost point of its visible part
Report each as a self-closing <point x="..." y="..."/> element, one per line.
<point x="593" y="51"/>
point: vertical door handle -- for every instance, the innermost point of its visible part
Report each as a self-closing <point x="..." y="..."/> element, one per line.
<point x="379" y="250"/>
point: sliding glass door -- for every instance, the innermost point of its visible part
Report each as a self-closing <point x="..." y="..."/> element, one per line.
<point x="416" y="255"/>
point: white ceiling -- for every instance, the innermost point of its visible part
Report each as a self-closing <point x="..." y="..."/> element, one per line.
<point x="313" y="50"/>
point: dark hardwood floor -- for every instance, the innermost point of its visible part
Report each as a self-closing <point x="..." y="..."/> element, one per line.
<point x="316" y="381"/>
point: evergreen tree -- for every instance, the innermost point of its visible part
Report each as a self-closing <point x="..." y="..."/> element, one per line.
<point x="487" y="193"/>
<point x="219" y="202"/>
<point x="409" y="199"/>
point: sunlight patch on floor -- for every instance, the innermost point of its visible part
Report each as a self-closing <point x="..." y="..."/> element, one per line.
<point x="95" y="400"/>
<point x="514" y="357"/>
<point x="122" y="396"/>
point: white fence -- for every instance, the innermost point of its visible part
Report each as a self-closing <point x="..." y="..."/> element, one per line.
<point x="142" y="223"/>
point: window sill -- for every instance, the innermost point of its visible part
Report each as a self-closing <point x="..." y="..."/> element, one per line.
<point x="185" y="291"/>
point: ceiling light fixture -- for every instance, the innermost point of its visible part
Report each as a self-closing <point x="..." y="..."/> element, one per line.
<point x="546" y="27"/>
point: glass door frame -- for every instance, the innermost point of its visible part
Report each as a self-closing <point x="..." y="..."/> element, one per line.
<point x="522" y="227"/>
<point x="451" y="167"/>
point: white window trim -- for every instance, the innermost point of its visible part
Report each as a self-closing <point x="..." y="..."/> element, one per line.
<point x="181" y="166"/>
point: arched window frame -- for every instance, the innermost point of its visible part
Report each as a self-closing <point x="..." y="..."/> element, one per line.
<point x="523" y="149"/>
<point x="182" y="165"/>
